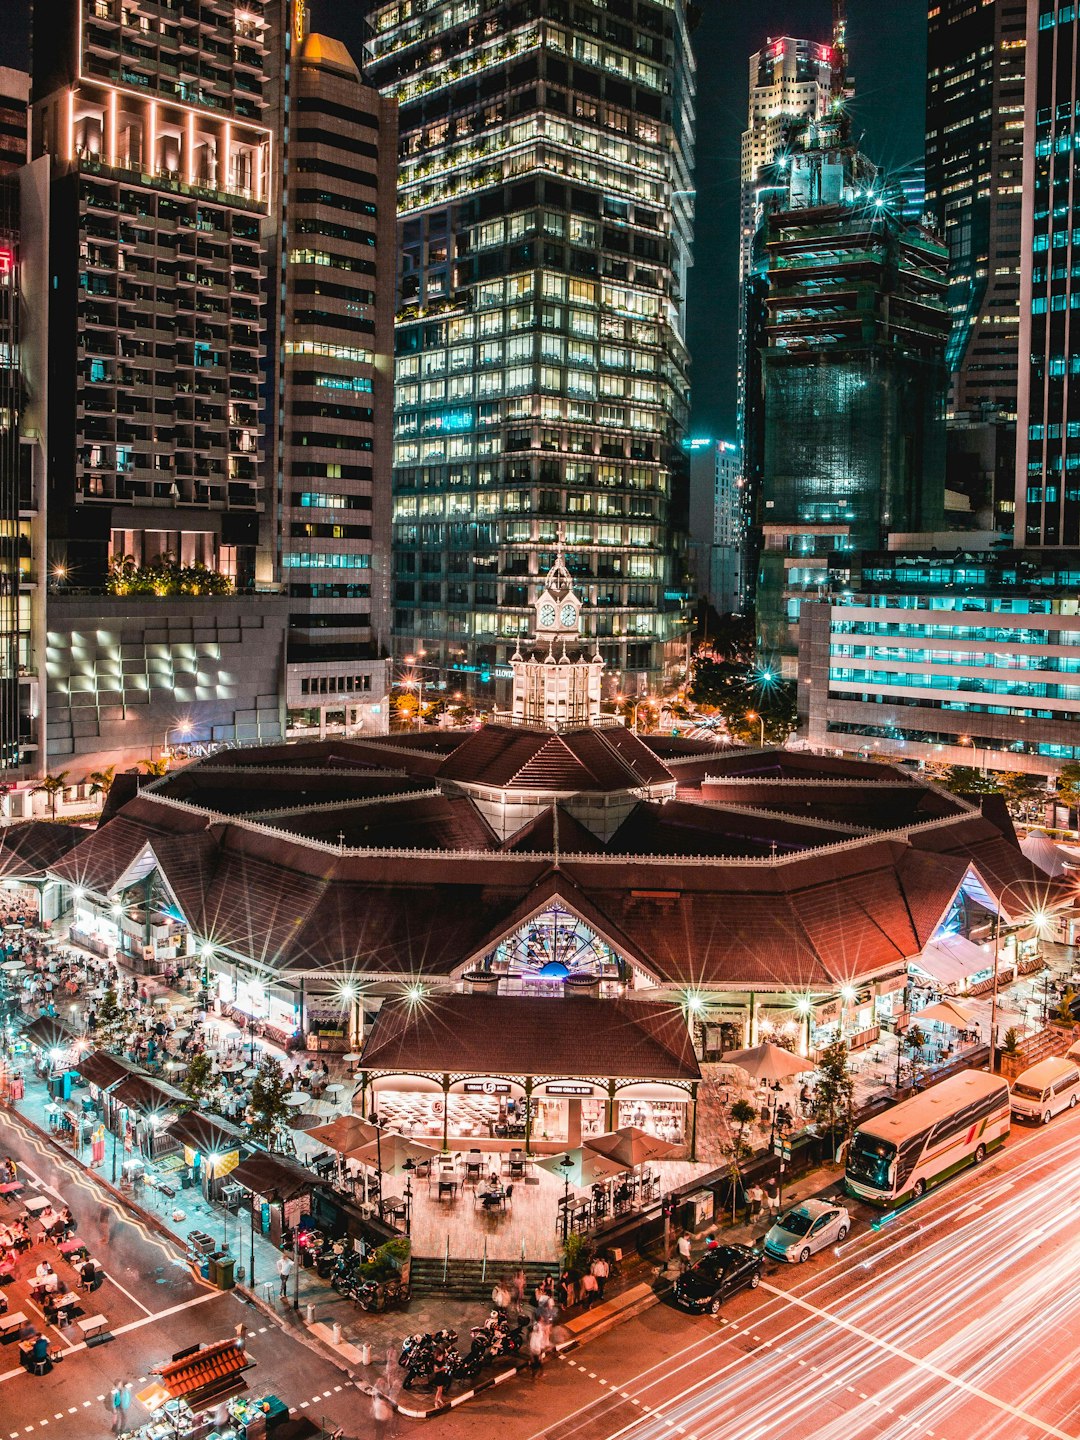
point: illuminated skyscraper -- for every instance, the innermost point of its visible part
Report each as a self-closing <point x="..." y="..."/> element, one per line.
<point x="852" y="340"/>
<point x="974" y="157"/>
<point x="546" y="214"/>
<point x="334" y="257"/>
<point x="1048" y="401"/>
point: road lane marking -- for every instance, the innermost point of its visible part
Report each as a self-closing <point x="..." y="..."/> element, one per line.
<point x="144" y="1308"/>
<point x="913" y="1360"/>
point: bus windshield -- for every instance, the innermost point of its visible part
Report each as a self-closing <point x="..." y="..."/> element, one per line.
<point x="871" y="1159"/>
<point x="1028" y="1092"/>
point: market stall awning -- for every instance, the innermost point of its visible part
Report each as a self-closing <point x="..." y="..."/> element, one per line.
<point x="206" y="1370"/>
<point x="103" y="1070"/>
<point x="50" y="1033"/>
<point x="274" y="1176"/>
<point x="206" y="1133"/>
<point x="147" y="1094"/>
<point x="953" y="960"/>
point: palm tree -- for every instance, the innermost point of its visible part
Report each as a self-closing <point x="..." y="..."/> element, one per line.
<point x="157" y="767"/>
<point x="53" y="786"/>
<point x="101" y="781"/>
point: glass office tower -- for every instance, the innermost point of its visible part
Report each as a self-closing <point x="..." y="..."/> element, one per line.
<point x="1048" y="402"/>
<point x="545" y="211"/>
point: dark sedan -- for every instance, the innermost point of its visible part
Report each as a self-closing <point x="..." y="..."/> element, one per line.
<point x="719" y="1273"/>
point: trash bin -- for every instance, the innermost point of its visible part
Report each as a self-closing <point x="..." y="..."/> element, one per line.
<point x="697" y="1210"/>
<point x="222" y="1268"/>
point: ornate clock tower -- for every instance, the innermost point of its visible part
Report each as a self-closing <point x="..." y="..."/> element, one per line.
<point x="556" y="680"/>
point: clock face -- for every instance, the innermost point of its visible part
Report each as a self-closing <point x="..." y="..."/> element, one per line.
<point x="568" y="616"/>
<point x="547" y="615"/>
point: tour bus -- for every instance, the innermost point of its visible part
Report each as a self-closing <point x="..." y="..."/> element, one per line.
<point x="1045" y="1089"/>
<point x="899" y="1154"/>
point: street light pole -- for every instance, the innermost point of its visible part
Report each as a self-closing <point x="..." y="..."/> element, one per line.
<point x="756" y="715"/>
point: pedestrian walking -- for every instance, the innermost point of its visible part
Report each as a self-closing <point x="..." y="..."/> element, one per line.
<point x="772" y="1200"/>
<point x="589" y="1289"/>
<point x="685" y="1250"/>
<point x="601" y="1268"/>
<point x="756" y="1197"/>
<point x="284" y="1270"/>
<point x="121" y="1404"/>
<point x="539" y="1343"/>
<point x="382" y="1415"/>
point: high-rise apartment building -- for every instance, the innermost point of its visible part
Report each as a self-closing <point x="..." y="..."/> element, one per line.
<point x="717" y="528"/>
<point x="546" y="211"/>
<point x="17" y="700"/>
<point x="1048" y="394"/>
<point x="194" y="506"/>
<point x="852" y="344"/>
<point x="334" y="255"/>
<point x="974" y="160"/>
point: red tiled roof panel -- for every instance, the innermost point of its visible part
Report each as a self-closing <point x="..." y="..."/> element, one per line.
<point x="29" y="848"/>
<point x="504" y="1034"/>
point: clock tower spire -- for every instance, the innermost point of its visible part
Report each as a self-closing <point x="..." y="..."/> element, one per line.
<point x="556" y="680"/>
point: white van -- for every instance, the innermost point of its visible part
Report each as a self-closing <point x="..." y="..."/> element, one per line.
<point x="1047" y="1088"/>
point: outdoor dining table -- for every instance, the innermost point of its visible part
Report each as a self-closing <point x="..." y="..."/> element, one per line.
<point x="70" y="1245"/>
<point x="36" y="1204"/>
<point x="448" y="1185"/>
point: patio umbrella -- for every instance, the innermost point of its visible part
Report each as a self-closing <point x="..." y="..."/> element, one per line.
<point x="389" y="1153"/>
<point x="589" y="1167"/>
<point x="347" y="1132"/>
<point x="12" y="965"/>
<point x="631" y="1146"/>
<point x="947" y="1012"/>
<point x="296" y="1098"/>
<point x="769" y="1062"/>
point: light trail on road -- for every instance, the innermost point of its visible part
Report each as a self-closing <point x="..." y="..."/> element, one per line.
<point x="952" y="1322"/>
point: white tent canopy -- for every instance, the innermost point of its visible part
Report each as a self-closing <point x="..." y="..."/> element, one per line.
<point x="952" y="961"/>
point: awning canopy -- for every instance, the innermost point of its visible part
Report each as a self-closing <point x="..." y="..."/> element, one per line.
<point x="147" y="1094"/>
<point x="952" y="960"/>
<point x="104" y="1070"/>
<point x="273" y="1176"/>
<point x="50" y="1033"/>
<point x="206" y="1133"/>
<point x="210" y="1367"/>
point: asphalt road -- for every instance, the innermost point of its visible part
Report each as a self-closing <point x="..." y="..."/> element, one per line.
<point x="155" y="1307"/>
<point x="954" y="1321"/>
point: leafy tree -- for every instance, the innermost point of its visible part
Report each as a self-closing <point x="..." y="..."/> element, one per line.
<point x="743" y="1115"/>
<point x="913" y="1040"/>
<point x="834" y="1098"/>
<point x="53" y="786"/>
<point x="1011" y="1043"/>
<point x="267" y="1105"/>
<point x="101" y="781"/>
<point x="164" y="575"/>
<point x="1068" y="784"/>
<point x="157" y="767"/>
<point x="110" y="1020"/>
<point x="1065" y="1004"/>
<point x="741" y="693"/>
<point x="198" y="1076"/>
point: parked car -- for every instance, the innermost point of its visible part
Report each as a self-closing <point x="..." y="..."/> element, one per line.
<point x="806" y="1229"/>
<point x="721" y="1271"/>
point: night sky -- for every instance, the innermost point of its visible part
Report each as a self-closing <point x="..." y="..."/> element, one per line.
<point x="887" y="43"/>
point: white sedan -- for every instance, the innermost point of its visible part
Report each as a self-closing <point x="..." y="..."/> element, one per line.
<point x="807" y="1228"/>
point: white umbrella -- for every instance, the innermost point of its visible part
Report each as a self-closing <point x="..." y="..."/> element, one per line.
<point x="250" y="1072"/>
<point x="12" y="965"/>
<point x="297" y="1098"/>
<point x="389" y="1153"/>
<point x="587" y="1168"/>
<point x="947" y="1012"/>
<point x="769" y="1062"/>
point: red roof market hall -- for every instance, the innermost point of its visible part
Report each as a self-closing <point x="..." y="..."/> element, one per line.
<point x="549" y="907"/>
